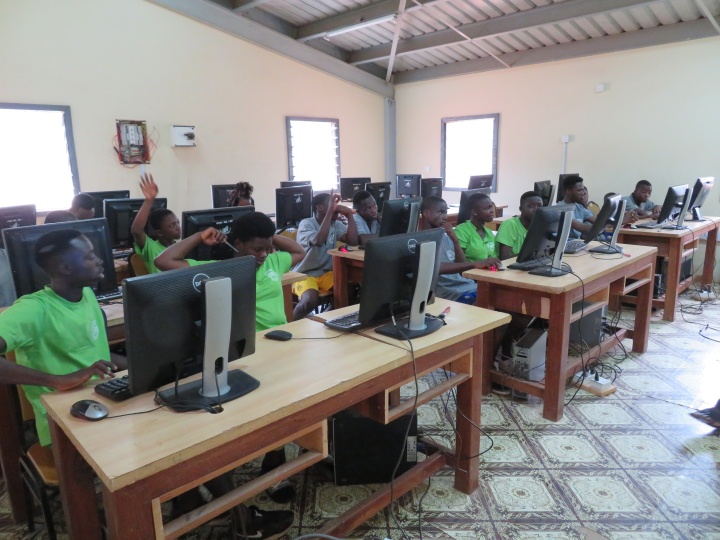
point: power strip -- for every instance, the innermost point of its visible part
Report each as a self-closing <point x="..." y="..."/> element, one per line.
<point x="702" y="296"/>
<point x="602" y="387"/>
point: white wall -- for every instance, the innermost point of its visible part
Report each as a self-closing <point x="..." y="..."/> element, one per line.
<point x="134" y="60"/>
<point x="659" y="119"/>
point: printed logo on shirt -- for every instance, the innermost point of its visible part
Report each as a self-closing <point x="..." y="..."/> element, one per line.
<point x="94" y="331"/>
<point x="272" y="275"/>
<point x="451" y="254"/>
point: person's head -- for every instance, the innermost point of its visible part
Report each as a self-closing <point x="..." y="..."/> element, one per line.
<point x="241" y="195"/>
<point x="365" y="205"/>
<point x="434" y="212"/>
<point x="481" y="208"/>
<point x="67" y="254"/>
<point x="59" y="216"/>
<point x="252" y="234"/>
<point x="83" y="206"/>
<point x="320" y="204"/>
<point x="165" y="224"/>
<point x="643" y="190"/>
<point x="529" y="203"/>
<point x="574" y="189"/>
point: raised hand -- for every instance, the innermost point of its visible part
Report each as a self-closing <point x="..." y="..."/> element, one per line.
<point x="148" y="186"/>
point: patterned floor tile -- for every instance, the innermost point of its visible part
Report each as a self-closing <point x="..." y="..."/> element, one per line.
<point x="661" y="415"/>
<point x="511" y="449"/>
<point x="641" y="449"/>
<point x="694" y="531"/>
<point x="440" y="501"/>
<point x="449" y="531"/>
<point x="529" y="416"/>
<point x="539" y="531"/>
<point x="643" y="531"/>
<point x="705" y="450"/>
<point x="648" y="383"/>
<point x="682" y="497"/>
<point x="609" y="416"/>
<point x="329" y="501"/>
<point x="570" y="449"/>
<point x="495" y="415"/>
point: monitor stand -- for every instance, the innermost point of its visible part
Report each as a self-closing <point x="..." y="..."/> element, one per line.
<point x="697" y="215"/>
<point x="612" y="248"/>
<point x="564" y="231"/>
<point x="418" y="324"/>
<point x="681" y="215"/>
<point x="218" y="385"/>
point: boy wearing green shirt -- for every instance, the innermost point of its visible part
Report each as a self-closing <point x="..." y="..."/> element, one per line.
<point x="477" y="240"/>
<point x="512" y="233"/>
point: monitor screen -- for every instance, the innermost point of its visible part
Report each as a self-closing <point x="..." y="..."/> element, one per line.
<point x="609" y="216"/>
<point x="673" y="204"/>
<point x="561" y="188"/>
<point x="700" y="192"/>
<point x="400" y="216"/>
<point x="350" y="186"/>
<point x="464" y="212"/>
<point x="292" y="205"/>
<point x="481" y="181"/>
<point x="12" y="217"/>
<point x="101" y="196"/>
<point x="431" y="186"/>
<point x="164" y="321"/>
<point x="407" y="185"/>
<point x="545" y="190"/>
<point x="29" y="277"/>
<point x="380" y="192"/>
<point x="221" y="194"/>
<point x="295" y="183"/>
<point x="120" y="214"/>
<point x="542" y="234"/>
<point x="222" y="219"/>
<point x="392" y="275"/>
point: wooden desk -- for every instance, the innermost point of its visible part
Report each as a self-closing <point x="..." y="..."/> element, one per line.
<point x="494" y="225"/>
<point x="347" y="268"/>
<point x="161" y="454"/>
<point x="516" y="291"/>
<point x="288" y="278"/>
<point x="673" y="245"/>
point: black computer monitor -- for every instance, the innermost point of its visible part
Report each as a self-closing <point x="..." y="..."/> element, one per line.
<point x="101" y="196"/>
<point x="400" y="275"/>
<point x="295" y="183"/>
<point x="350" y="186"/>
<point x="407" y="185"/>
<point x="675" y="205"/>
<point x="29" y="277"/>
<point x="222" y="219"/>
<point x="546" y="191"/>
<point x="12" y="217"/>
<point x="464" y="212"/>
<point x="610" y="215"/>
<point x="700" y="191"/>
<point x="481" y="181"/>
<point x="221" y="194"/>
<point x="292" y="205"/>
<point x="561" y="186"/>
<point x="431" y="186"/>
<point x="546" y="237"/>
<point x="180" y="322"/>
<point x="120" y="214"/>
<point x="380" y="192"/>
<point x="400" y="216"/>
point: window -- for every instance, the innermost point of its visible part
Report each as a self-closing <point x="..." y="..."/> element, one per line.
<point x="469" y="148"/>
<point x="37" y="156"/>
<point x="314" y="151"/>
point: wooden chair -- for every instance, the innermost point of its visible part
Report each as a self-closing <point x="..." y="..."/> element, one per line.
<point x="593" y="207"/>
<point x="137" y="265"/>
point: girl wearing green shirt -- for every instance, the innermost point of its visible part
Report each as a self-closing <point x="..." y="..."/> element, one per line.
<point x="476" y="240"/>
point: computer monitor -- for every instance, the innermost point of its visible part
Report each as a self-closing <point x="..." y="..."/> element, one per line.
<point x="101" y="196"/>
<point x="350" y="186"/>
<point x="400" y="275"/>
<point x="481" y="181"/>
<point x="700" y="191"/>
<point x="29" y="277"/>
<point x="292" y="205"/>
<point x="400" y="216"/>
<point x="677" y="197"/>
<point x="221" y="194"/>
<point x="180" y="322"/>
<point x="610" y="215"/>
<point x="431" y="186"/>
<point x="546" y="191"/>
<point x="464" y="212"/>
<point x="546" y="237"/>
<point x="407" y="185"/>
<point x="120" y="214"/>
<point x="295" y="183"/>
<point x="222" y="219"/>
<point x="561" y="186"/>
<point x="380" y="192"/>
<point x="12" y="217"/>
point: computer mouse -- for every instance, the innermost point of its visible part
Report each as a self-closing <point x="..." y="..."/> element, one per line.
<point x="279" y="335"/>
<point x="343" y="248"/>
<point x="87" y="409"/>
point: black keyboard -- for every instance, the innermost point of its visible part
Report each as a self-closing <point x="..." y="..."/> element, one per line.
<point x="573" y="246"/>
<point x="345" y="323"/>
<point x="532" y="264"/>
<point x="105" y="297"/>
<point x="115" y="389"/>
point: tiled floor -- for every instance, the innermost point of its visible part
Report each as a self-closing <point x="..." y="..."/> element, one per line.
<point x="633" y="465"/>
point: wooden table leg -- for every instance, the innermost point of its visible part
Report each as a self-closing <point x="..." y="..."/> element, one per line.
<point x="467" y="442"/>
<point x="340" y="283"/>
<point x="674" y="262"/>
<point x="129" y="514"/>
<point x="483" y="300"/>
<point x="643" y="311"/>
<point x="709" y="263"/>
<point x="557" y="346"/>
<point x="10" y="451"/>
<point x="287" y="302"/>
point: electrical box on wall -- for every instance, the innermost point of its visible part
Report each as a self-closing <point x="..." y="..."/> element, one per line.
<point x="183" y="136"/>
<point x="132" y="141"/>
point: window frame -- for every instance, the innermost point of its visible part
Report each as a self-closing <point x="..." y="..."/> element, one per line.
<point x="443" y="141"/>
<point x="336" y="122"/>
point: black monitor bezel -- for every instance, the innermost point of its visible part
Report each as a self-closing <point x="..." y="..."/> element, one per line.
<point x="413" y="190"/>
<point x="116" y="207"/>
<point x="674" y="198"/>
<point x="427" y="184"/>
<point x="372" y="187"/>
<point x="482" y="181"/>
<point x="101" y="196"/>
<point x="396" y="216"/>
<point x="25" y="214"/>
<point x="349" y="186"/>
<point x="545" y="222"/>
<point x="218" y="199"/>
<point x="700" y="193"/>
<point x="191" y="226"/>
<point x="282" y="220"/>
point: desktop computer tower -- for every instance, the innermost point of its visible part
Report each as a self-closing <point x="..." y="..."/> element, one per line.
<point x="529" y="357"/>
<point x="366" y="452"/>
<point x="588" y="330"/>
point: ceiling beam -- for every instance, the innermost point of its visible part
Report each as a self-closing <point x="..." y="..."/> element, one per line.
<point x="521" y="20"/>
<point x="222" y="19"/>
<point x="244" y="5"/>
<point x="661" y="35"/>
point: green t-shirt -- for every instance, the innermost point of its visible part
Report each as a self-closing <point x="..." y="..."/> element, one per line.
<point x="512" y="233"/>
<point x="152" y="249"/>
<point x="269" y="303"/>
<point x="51" y="334"/>
<point x="476" y="248"/>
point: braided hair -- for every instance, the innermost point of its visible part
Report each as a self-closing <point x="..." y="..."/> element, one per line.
<point x="243" y="190"/>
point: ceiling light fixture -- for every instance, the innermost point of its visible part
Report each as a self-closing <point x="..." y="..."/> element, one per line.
<point x="360" y="25"/>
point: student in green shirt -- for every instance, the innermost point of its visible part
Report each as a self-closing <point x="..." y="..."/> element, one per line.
<point x="58" y="333"/>
<point x="163" y="221"/>
<point x="512" y="233"/>
<point x="477" y="240"/>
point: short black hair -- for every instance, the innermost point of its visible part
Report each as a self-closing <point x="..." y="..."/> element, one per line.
<point x="53" y="244"/>
<point x="477" y="197"/>
<point x="84" y="201"/>
<point x="321" y="199"/>
<point x="527" y="195"/>
<point x="359" y="197"/>
<point x="643" y="183"/>
<point x="571" y="181"/>
<point x="252" y="225"/>
<point x="429" y="202"/>
<point x="59" y="216"/>
<point x="157" y="216"/>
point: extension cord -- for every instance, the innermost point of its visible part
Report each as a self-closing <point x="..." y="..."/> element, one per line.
<point x="702" y="296"/>
<point x="601" y="387"/>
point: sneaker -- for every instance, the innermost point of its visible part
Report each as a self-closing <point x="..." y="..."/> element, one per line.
<point x="708" y="416"/>
<point x="282" y="493"/>
<point x="500" y="390"/>
<point x="264" y="524"/>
